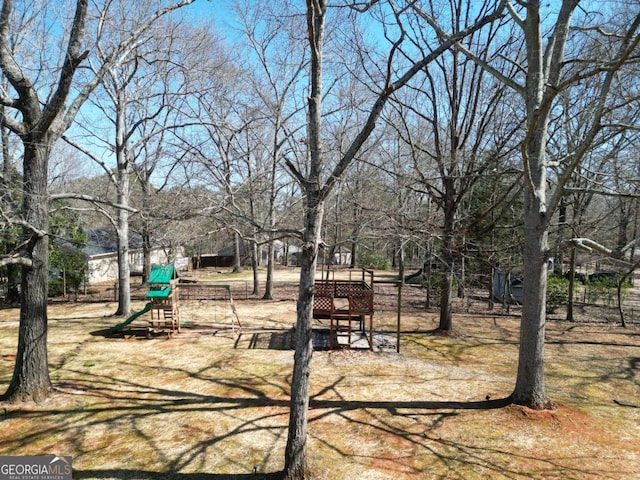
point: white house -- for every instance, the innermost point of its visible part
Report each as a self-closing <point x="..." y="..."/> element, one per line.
<point x="102" y="259"/>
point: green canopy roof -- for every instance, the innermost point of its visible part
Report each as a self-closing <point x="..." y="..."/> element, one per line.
<point x="163" y="292"/>
<point x="162" y="274"/>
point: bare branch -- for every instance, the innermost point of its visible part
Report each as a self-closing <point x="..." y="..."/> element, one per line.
<point x="89" y="198"/>
<point x="363" y="6"/>
<point x="11" y="69"/>
<point x="607" y="193"/>
<point x="482" y="63"/>
<point x="22" y="223"/>
<point x="588" y="245"/>
<point x="72" y="61"/>
<point x="295" y="172"/>
<point x="115" y="57"/>
<point x="93" y="157"/>
<point x="516" y="17"/>
<point x="384" y="95"/>
<point x="591" y="245"/>
<point x="22" y="261"/>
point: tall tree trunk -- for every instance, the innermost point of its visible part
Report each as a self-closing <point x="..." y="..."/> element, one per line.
<point x="30" y="379"/>
<point x="268" y="288"/>
<point x="572" y="284"/>
<point x="295" y="460"/>
<point x="316" y="191"/>
<point x="401" y="273"/>
<point x="530" y="387"/>
<point x="146" y="231"/>
<point x="446" y="284"/>
<point x="354" y="253"/>
<point x="255" y="259"/>
<point x="285" y="254"/>
<point x="295" y="455"/>
<point x="254" y="266"/>
<point x="123" y="194"/>
<point x="558" y="261"/>
<point x="619" y="296"/>
<point x="446" y="289"/>
<point x="427" y="277"/>
<point x="124" y="270"/>
<point x="146" y="252"/>
<point x="237" y="259"/>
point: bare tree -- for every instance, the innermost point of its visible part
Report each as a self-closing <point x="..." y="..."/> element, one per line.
<point x="229" y="148"/>
<point x="554" y="66"/>
<point x="461" y="137"/>
<point x="219" y="145"/>
<point x="579" y="213"/>
<point x="46" y="111"/>
<point x="316" y="184"/>
<point x="545" y="77"/>
<point x="280" y="64"/>
<point x="140" y="101"/>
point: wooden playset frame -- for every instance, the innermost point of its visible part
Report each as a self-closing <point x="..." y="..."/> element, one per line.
<point x="348" y="305"/>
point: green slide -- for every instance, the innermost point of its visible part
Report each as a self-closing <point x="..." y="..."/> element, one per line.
<point x="121" y="325"/>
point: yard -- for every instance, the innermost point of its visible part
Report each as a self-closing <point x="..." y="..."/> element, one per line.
<point x="212" y="402"/>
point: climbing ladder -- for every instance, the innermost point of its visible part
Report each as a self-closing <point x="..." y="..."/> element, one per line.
<point x="164" y="314"/>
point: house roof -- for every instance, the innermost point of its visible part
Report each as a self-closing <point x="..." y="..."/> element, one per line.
<point x="103" y="241"/>
<point x="230" y="250"/>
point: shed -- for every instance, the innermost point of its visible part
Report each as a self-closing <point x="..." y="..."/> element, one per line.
<point x="507" y="287"/>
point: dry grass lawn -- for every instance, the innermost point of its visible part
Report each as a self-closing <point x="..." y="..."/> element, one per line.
<point x="212" y="404"/>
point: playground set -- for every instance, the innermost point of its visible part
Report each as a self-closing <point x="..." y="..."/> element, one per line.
<point x="165" y="295"/>
<point x="344" y="305"/>
<point x="348" y="306"/>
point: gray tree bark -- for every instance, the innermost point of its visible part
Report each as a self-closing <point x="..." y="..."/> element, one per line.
<point x="295" y="454"/>
<point x="123" y="197"/>
<point x="40" y="128"/>
<point x="124" y="268"/>
<point x="544" y="79"/>
<point x="43" y="123"/>
<point x="30" y="380"/>
<point x="316" y="191"/>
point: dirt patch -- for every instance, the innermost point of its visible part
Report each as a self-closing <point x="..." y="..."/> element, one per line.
<point x="213" y="401"/>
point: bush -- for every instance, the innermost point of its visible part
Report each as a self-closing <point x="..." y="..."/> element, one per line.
<point x="55" y="287"/>
<point x="602" y="286"/>
<point x="374" y="261"/>
<point x="557" y="293"/>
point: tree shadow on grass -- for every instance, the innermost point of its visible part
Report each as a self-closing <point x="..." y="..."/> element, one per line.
<point x="123" y="473"/>
<point x="255" y="405"/>
<point x="269" y="340"/>
<point x="119" y="401"/>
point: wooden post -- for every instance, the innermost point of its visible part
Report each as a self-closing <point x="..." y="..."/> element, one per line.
<point x="399" y="316"/>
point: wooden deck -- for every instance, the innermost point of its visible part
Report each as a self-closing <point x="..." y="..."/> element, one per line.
<point x="348" y="305"/>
